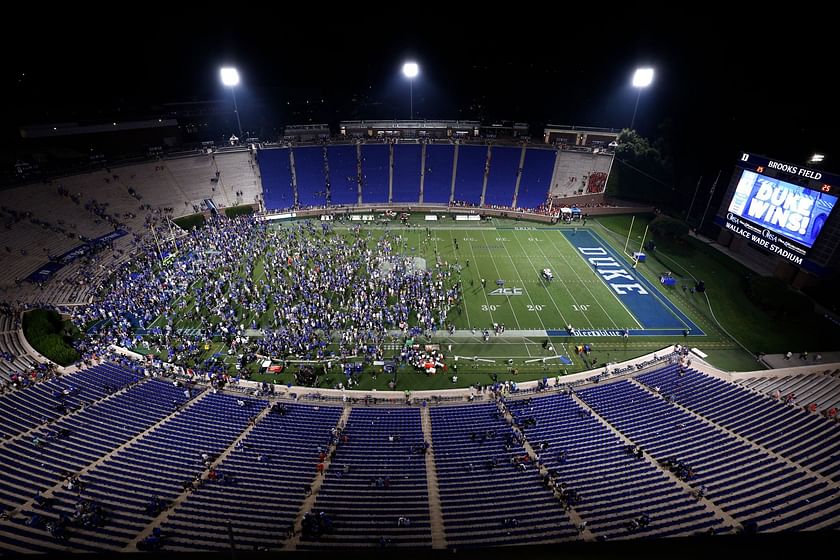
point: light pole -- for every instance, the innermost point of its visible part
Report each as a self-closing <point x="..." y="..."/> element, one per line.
<point x="410" y="69"/>
<point x="642" y="78"/>
<point x="230" y="78"/>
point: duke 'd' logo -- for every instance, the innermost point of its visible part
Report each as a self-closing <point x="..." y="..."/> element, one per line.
<point x="506" y="292"/>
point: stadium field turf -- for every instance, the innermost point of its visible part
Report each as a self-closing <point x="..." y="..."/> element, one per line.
<point x="594" y="288"/>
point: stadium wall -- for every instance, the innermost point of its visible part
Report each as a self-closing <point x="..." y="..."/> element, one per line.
<point x="612" y="373"/>
<point x="617" y="372"/>
<point x="452" y="210"/>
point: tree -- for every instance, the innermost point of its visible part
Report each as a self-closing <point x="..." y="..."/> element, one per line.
<point x="641" y="172"/>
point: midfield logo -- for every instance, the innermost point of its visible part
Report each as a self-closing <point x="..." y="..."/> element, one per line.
<point x="506" y="292"/>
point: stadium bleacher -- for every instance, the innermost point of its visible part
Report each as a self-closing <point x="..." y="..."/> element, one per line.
<point x="278" y="191"/>
<point x="405" y="159"/>
<point x="504" y="170"/>
<point x="536" y="177"/>
<point x="41" y="402"/>
<point x="309" y="172"/>
<point x="749" y="482"/>
<point x="375" y="166"/>
<point x="407" y="164"/>
<point x="384" y="481"/>
<point x="790" y="431"/>
<point x="344" y="185"/>
<point x="823" y="389"/>
<point x="138" y="443"/>
<point x="572" y="172"/>
<point x="615" y="485"/>
<point x="486" y="500"/>
<point x="265" y="484"/>
<point x="469" y="178"/>
<point x="154" y="465"/>
<point x="14" y="358"/>
<point x="437" y="183"/>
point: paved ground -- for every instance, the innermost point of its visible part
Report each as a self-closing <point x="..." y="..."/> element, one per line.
<point x="775" y="361"/>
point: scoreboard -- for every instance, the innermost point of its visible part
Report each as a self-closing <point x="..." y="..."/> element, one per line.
<point x="779" y="206"/>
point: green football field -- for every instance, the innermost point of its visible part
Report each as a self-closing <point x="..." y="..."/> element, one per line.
<point x="510" y="257"/>
<point x="576" y="296"/>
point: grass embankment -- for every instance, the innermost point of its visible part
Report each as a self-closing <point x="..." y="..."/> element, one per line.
<point x="50" y="335"/>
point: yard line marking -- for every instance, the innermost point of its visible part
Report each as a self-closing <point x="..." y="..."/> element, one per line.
<point x="487" y="301"/>
<point x="460" y="281"/>
<point x="574" y="299"/>
<point x="523" y="282"/>
<point x="562" y="318"/>
<point x="518" y="324"/>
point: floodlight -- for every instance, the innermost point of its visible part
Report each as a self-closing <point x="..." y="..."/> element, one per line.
<point x="643" y="77"/>
<point x="230" y="77"/>
<point x="410" y="69"/>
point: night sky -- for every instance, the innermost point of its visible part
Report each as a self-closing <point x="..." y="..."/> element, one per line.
<point x="724" y="84"/>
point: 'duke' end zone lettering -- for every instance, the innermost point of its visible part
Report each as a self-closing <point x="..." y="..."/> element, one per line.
<point x="654" y="312"/>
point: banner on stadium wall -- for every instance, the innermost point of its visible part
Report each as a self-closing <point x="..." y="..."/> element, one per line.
<point x="45" y="272"/>
<point x="468" y="217"/>
<point x="431" y="217"/>
<point x="326" y="217"/>
<point x="361" y="217"/>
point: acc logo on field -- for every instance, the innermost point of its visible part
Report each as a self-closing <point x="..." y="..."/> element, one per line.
<point x="506" y="292"/>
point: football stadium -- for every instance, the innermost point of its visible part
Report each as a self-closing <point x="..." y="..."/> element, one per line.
<point x="426" y="334"/>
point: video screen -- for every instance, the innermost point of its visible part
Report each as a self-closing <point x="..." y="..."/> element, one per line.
<point x="795" y="212"/>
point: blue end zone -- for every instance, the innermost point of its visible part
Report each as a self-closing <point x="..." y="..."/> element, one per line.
<point x="656" y="313"/>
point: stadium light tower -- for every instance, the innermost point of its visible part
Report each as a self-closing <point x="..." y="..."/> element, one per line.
<point x="230" y="78"/>
<point x="410" y="69"/>
<point x="642" y="78"/>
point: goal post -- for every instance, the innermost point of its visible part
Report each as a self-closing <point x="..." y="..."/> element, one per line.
<point x="629" y="232"/>
<point x="641" y="247"/>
